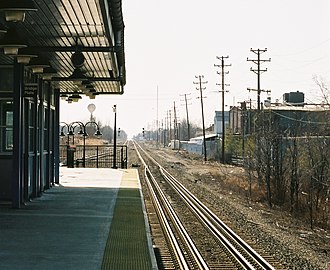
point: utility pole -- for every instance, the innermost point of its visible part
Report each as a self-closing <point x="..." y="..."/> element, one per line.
<point x="258" y="71"/>
<point x="200" y="77"/>
<point x="157" y="123"/>
<point x="186" y="104"/>
<point x="222" y="73"/>
<point x="175" y="123"/>
<point x="164" y="133"/>
<point x="170" y="125"/>
<point x="166" y="129"/>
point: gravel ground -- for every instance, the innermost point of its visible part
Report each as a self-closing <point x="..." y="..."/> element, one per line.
<point x="278" y="232"/>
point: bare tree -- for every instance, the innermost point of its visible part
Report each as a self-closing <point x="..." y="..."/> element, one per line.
<point x="323" y="86"/>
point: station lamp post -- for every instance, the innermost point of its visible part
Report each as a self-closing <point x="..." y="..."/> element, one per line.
<point x="69" y="150"/>
<point x="62" y="132"/>
<point x="84" y="133"/>
<point x="114" y="165"/>
<point x="71" y="127"/>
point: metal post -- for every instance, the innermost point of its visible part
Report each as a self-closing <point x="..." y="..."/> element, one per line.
<point x="17" y="136"/>
<point x="84" y="149"/>
<point x="56" y="126"/>
<point x="114" y="166"/>
<point x="121" y="157"/>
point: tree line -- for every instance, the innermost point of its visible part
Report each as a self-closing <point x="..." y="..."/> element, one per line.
<point x="289" y="167"/>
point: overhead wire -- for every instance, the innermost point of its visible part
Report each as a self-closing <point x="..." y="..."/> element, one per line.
<point x="299" y="120"/>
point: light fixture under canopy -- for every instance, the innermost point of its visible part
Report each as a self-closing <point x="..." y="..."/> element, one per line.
<point x="75" y="96"/>
<point x="24" y="56"/>
<point x="78" y="76"/>
<point x="15" y="9"/>
<point x="11" y="42"/>
<point x="38" y="64"/>
<point x="48" y="73"/>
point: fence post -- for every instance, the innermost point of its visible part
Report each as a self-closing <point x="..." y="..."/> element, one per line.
<point x="97" y="156"/>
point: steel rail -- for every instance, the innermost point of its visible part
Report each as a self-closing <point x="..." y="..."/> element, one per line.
<point x="214" y="223"/>
<point x="184" y="236"/>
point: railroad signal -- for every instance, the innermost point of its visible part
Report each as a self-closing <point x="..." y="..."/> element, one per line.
<point x="143" y="132"/>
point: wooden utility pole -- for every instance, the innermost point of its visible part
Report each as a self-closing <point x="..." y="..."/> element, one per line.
<point x="157" y="122"/>
<point x="258" y="71"/>
<point x="200" y="77"/>
<point x="175" y="123"/>
<point x="170" y="127"/>
<point x="188" y="125"/>
<point x="222" y="73"/>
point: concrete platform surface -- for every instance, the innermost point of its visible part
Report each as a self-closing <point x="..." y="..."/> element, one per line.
<point x="66" y="228"/>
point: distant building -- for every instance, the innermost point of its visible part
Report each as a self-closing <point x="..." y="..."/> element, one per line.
<point x="218" y="121"/>
<point x="292" y="117"/>
<point x="196" y="145"/>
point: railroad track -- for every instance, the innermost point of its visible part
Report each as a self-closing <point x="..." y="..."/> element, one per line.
<point x="197" y="238"/>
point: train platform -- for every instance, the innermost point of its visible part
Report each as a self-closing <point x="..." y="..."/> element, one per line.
<point x="95" y="219"/>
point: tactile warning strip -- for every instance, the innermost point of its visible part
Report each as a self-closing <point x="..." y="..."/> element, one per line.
<point x="127" y="246"/>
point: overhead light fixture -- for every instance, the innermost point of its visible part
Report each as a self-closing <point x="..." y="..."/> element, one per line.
<point x="78" y="76"/>
<point x="92" y="95"/>
<point x="38" y="64"/>
<point x="48" y="73"/>
<point x="15" y="9"/>
<point x="75" y="96"/>
<point x="63" y="96"/>
<point x="24" y="56"/>
<point x="11" y="42"/>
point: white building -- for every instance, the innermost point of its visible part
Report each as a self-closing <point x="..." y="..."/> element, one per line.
<point x="218" y="121"/>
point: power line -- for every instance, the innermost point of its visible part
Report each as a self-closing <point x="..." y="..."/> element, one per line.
<point x="298" y="120"/>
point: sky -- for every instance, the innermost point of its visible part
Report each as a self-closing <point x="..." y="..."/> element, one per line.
<point x="168" y="43"/>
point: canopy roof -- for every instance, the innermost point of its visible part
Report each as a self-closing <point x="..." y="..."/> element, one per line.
<point x="59" y="28"/>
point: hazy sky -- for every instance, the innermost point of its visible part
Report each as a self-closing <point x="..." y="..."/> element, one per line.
<point x="168" y="42"/>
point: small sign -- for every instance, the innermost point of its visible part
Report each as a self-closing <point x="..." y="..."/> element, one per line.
<point x="30" y="89"/>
